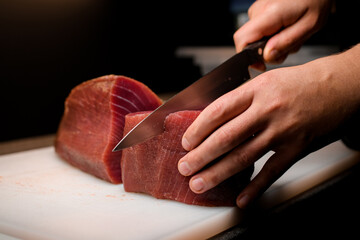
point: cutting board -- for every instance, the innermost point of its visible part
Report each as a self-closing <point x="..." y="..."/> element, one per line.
<point x="42" y="197"/>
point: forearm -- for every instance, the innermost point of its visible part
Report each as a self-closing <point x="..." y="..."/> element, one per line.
<point x="351" y="136"/>
<point x="345" y="68"/>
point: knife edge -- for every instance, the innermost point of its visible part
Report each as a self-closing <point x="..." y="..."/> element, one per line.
<point x="229" y="75"/>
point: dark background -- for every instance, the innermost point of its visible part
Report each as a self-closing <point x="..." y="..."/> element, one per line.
<point x="48" y="47"/>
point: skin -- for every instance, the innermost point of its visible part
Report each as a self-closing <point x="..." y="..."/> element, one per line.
<point x="290" y="23"/>
<point x="291" y="111"/>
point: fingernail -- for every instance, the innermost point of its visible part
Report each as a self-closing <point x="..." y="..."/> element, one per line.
<point x="185" y="144"/>
<point x="184" y="168"/>
<point x="243" y="201"/>
<point x="197" y="184"/>
<point x="273" y="55"/>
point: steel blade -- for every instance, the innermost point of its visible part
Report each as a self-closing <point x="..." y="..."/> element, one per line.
<point x="198" y="95"/>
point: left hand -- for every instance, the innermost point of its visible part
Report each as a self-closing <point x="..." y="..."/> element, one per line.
<point x="290" y="23"/>
<point x="291" y="111"/>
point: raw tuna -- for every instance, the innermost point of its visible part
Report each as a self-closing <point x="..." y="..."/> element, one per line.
<point x="93" y="123"/>
<point x="151" y="167"/>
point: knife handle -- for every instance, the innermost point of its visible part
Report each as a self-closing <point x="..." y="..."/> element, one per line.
<point x="259" y="45"/>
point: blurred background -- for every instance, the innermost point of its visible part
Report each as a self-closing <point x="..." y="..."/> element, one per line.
<point x="49" y="46"/>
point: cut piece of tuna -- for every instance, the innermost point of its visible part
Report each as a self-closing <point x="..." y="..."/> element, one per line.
<point x="93" y="123"/>
<point x="151" y="167"/>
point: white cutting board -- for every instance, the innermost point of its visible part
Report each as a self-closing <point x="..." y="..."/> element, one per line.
<point x="42" y="197"/>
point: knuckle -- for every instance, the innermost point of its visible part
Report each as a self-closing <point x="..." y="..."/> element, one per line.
<point x="212" y="178"/>
<point x="236" y="36"/>
<point x="313" y="23"/>
<point x="271" y="172"/>
<point x="274" y="7"/>
<point x="275" y="105"/>
<point x="225" y="137"/>
<point x="217" y="109"/>
<point x="197" y="161"/>
<point x="243" y="160"/>
<point x="275" y="102"/>
<point x="191" y="134"/>
<point x="239" y="39"/>
<point x="265" y="80"/>
<point x="270" y="140"/>
<point x="251" y="10"/>
<point x="217" y="112"/>
<point x="287" y="41"/>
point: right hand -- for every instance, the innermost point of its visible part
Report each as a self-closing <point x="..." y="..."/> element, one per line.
<point x="292" y="111"/>
<point x="290" y="23"/>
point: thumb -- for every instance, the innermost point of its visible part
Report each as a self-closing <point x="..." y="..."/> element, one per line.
<point x="287" y="40"/>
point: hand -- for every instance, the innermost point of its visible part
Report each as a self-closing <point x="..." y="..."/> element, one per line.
<point x="291" y="111"/>
<point x="290" y="23"/>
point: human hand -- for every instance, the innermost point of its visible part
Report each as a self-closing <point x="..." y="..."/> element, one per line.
<point x="290" y="23"/>
<point x="291" y="111"/>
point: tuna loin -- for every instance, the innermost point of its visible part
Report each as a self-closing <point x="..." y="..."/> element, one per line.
<point x="97" y="115"/>
<point x="93" y="123"/>
<point x="151" y="167"/>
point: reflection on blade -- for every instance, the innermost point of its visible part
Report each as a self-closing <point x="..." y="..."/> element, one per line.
<point x="198" y="95"/>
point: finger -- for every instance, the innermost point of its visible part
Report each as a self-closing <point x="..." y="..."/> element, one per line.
<point x="253" y="9"/>
<point x="253" y="31"/>
<point x="236" y="161"/>
<point x="217" y="113"/>
<point x="266" y="19"/>
<point x="288" y="39"/>
<point x="221" y="141"/>
<point x="296" y="48"/>
<point x="278" y="59"/>
<point x="277" y="164"/>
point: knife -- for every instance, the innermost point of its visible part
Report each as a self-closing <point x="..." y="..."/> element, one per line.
<point x="226" y="77"/>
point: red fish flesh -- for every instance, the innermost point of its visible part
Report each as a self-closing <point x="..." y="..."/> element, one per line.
<point x="93" y="123"/>
<point x="151" y="167"/>
<point x="97" y="115"/>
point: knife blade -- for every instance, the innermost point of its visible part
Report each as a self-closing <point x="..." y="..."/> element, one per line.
<point x="226" y="77"/>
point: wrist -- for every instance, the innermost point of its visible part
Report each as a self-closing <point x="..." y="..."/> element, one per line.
<point x="342" y="76"/>
<point x="341" y="73"/>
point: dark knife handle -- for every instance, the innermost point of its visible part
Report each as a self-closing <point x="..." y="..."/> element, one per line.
<point x="259" y="45"/>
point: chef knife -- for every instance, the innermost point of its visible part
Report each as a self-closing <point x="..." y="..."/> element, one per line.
<point x="226" y="77"/>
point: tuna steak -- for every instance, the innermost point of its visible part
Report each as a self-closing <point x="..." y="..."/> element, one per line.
<point x="151" y="167"/>
<point x="93" y="123"/>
